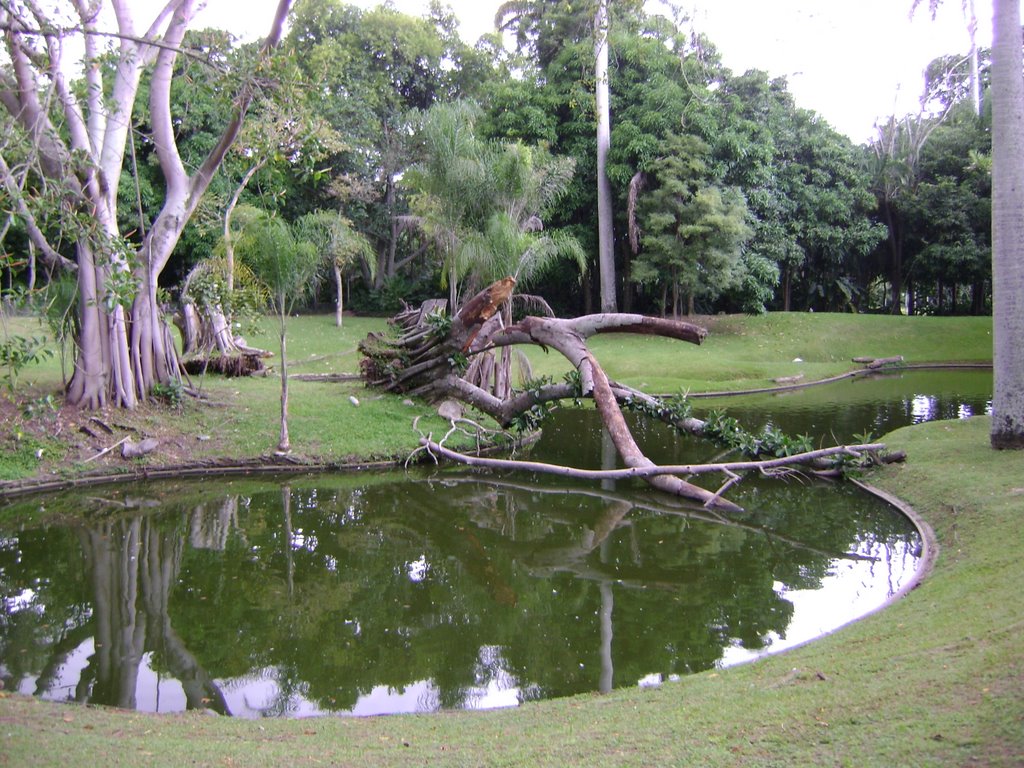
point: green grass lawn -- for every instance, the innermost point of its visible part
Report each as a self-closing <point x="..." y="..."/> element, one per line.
<point x="743" y="352"/>
<point x="934" y="680"/>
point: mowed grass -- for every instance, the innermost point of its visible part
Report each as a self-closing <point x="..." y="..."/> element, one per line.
<point x="238" y="418"/>
<point x="744" y="352"/>
<point x="934" y="680"/>
<point x="329" y="422"/>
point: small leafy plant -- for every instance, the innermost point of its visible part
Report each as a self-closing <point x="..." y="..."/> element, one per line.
<point x="17" y="353"/>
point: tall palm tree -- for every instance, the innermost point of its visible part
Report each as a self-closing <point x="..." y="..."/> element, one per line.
<point x="542" y="26"/>
<point x="1007" y="227"/>
<point x="450" y="184"/>
<point x="605" y="233"/>
<point x="289" y="268"/>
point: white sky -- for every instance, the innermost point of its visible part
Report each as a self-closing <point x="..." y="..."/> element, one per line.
<point x="852" y="62"/>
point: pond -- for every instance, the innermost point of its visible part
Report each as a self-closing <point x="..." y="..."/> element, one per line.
<point x="439" y="588"/>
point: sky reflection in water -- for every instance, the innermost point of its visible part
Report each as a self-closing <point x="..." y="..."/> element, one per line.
<point x="379" y="593"/>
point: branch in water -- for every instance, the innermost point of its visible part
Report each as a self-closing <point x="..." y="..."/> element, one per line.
<point x="729" y="468"/>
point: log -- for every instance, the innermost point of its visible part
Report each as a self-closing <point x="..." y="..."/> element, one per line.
<point x="788" y="379"/>
<point x="422" y="362"/>
<point x="874" y="363"/>
<point x="653" y="470"/>
<point x="240" y="364"/>
<point x="883" y="361"/>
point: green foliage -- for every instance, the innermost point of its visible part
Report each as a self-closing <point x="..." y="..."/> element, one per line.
<point x="287" y="266"/>
<point x="440" y="322"/>
<point x="172" y="393"/>
<point x="40" y="407"/>
<point x="482" y="203"/>
<point x="694" y="229"/>
<point x="333" y="236"/>
<point x="574" y="378"/>
<point x="673" y="410"/>
<point x="729" y="433"/>
<point x="21" y="454"/>
<point x="531" y="419"/>
<point x="59" y="303"/>
<point x="458" y="362"/>
<point x="207" y="289"/>
<point x="17" y="353"/>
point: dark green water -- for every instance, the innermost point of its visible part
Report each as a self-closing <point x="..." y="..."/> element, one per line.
<point x="438" y="589"/>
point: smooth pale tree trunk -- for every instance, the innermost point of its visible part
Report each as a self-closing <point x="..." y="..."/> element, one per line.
<point x="1007" y="227"/>
<point x="284" y="444"/>
<point x="606" y="241"/>
<point x="972" y="31"/>
<point x="123" y="348"/>
<point x="339" y="297"/>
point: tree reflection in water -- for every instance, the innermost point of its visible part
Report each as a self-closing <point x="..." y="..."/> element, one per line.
<point x="369" y="594"/>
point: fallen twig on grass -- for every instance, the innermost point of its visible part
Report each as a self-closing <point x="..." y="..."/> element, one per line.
<point x="107" y="450"/>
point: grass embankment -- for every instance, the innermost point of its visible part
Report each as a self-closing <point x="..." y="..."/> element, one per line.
<point x="934" y="680"/>
<point x="238" y="419"/>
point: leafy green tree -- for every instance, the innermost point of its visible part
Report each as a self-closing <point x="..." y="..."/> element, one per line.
<point x="375" y="70"/>
<point x="804" y="185"/>
<point x="693" y="228"/>
<point x="341" y="246"/>
<point x="450" y="187"/>
<point x="950" y="218"/>
<point x="483" y="203"/>
<point x="571" y="43"/>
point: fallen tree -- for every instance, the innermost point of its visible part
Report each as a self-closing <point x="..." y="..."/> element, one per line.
<point x="428" y="355"/>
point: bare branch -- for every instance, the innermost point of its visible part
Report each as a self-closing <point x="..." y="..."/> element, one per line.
<point x="40" y="241"/>
<point x="728" y="468"/>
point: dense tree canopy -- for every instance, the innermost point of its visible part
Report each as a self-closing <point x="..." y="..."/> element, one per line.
<point x="802" y="218"/>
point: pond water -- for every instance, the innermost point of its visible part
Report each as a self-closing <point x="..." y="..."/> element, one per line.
<point x="439" y="588"/>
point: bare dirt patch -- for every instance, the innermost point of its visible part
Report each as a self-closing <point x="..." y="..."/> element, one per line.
<point x="52" y="443"/>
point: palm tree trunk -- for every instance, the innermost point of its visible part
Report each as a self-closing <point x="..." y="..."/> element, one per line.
<point x="1007" y="227"/>
<point x="284" y="445"/>
<point x="339" y="306"/>
<point x="606" y="241"/>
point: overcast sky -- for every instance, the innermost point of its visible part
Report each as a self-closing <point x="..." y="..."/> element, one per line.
<point x="852" y="61"/>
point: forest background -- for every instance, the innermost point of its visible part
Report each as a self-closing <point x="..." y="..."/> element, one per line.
<point x="728" y="196"/>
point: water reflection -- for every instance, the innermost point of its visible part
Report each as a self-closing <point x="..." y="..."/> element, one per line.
<point x="878" y="403"/>
<point x="379" y="593"/>
<point x="370" y="594"/>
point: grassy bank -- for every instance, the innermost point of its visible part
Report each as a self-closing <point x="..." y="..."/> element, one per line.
<point x="238" y="417"/>
<point x="934" y="680"/>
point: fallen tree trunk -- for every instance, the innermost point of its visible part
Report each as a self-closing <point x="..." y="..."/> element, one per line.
<point x="427" y="356"/>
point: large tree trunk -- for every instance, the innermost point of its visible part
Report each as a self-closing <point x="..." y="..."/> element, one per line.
<point x="420" y="361"/>
<point x="339" y="296"/>
<point x="606" y="241"/>
<point x="1007" y="228"/>
<point x="123" y="348"/>
<point x="972" y="32"/>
